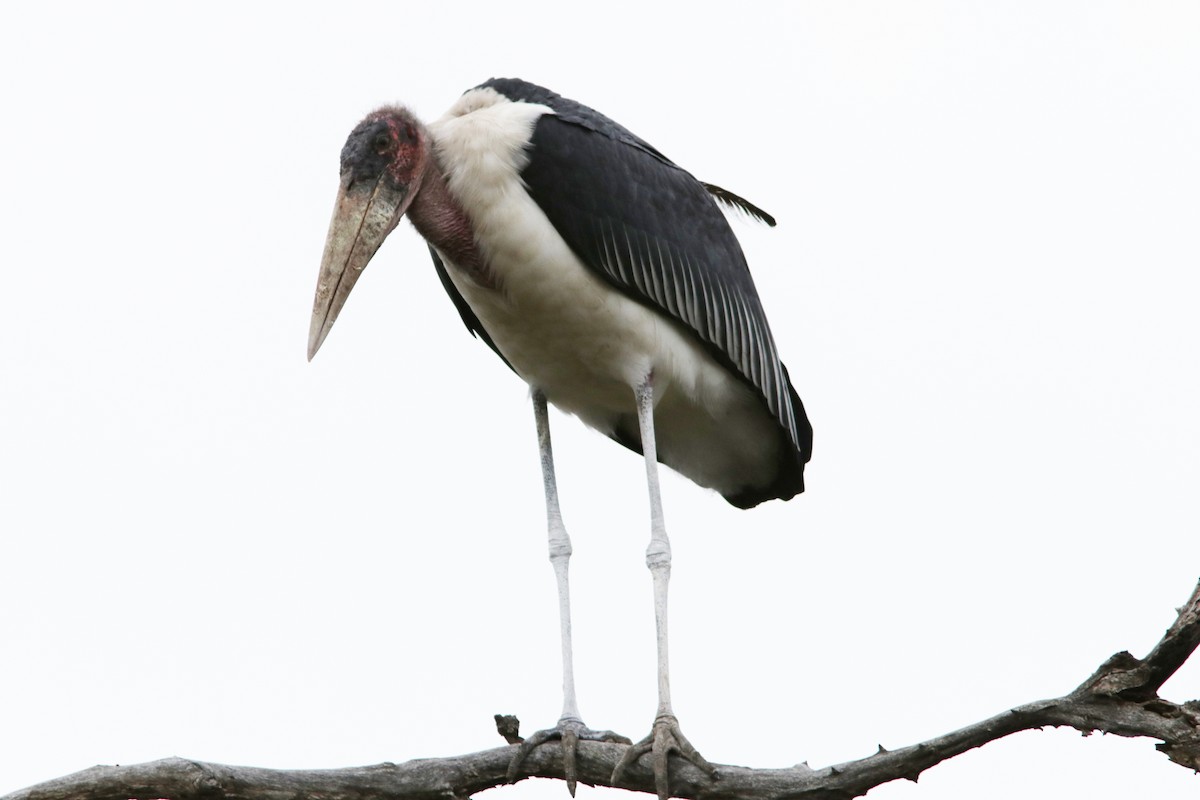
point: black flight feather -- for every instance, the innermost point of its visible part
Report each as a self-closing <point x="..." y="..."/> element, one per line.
<point x="740" y="203"/>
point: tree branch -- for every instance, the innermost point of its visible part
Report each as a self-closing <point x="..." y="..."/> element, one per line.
<point x="1121" y="698"/>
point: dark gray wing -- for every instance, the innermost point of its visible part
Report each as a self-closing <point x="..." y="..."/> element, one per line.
<point x="655" y="233"/>
<point x="468" y="316"/>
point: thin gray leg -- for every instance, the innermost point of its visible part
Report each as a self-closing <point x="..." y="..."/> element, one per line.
<point x="560" y="556"/>
<point x="665" y="737"/>
<point x="570" y="728"/>
<point x="658" y="552"/>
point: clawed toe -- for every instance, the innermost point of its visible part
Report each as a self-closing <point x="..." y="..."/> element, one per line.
<point x="569" y="732"/>
<point x="664" y="739"/>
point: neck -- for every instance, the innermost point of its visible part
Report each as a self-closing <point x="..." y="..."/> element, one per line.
<point x="439" y="218"/>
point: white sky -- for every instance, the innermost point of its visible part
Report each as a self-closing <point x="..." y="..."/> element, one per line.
<point x="984" y="283"/>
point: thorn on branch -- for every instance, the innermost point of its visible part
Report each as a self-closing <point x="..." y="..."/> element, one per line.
<point x="508" y="726"/>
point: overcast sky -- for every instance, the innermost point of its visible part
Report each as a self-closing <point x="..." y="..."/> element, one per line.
<point x="984" y="283"/>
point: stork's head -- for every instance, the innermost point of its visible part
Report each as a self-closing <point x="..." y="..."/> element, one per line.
<point x="383" y="163"/>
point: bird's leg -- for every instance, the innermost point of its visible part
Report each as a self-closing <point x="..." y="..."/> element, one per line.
<point x="665" y="737"/>
<point x="570" y="728"/>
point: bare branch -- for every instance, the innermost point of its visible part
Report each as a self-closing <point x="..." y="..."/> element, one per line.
<point x="1119" y="698"/>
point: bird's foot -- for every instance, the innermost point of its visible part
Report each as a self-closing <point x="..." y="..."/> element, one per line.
<point x="569" y="731"/>
<point x="664" y="739"/>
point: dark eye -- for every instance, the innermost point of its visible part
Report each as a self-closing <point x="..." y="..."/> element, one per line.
<point x="382" y="143"/>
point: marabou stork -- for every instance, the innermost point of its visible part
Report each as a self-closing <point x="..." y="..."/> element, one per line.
<point x="608" y="279"/>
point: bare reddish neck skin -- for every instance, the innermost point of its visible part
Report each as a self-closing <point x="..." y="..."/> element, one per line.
<point x="440" y="219"/>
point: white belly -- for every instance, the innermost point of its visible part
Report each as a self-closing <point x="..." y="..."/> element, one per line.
<point x="574" y="337"/>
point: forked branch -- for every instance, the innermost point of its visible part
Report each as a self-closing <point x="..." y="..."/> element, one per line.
<point x="1121" y="698"/>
